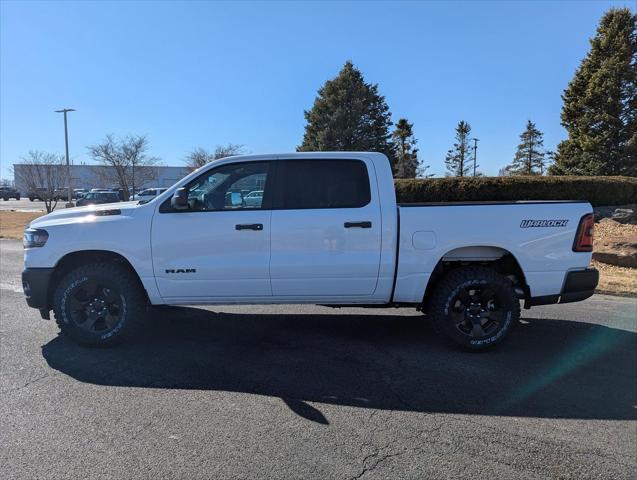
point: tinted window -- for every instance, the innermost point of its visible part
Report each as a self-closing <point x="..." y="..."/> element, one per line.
<point x="321" y="184"/>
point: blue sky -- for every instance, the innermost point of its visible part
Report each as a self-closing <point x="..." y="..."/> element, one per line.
<point x="206" y="73"/>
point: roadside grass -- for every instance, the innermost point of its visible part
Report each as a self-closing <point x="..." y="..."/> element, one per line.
<point x="12" y="223"/>
<point x="613" y="280"/>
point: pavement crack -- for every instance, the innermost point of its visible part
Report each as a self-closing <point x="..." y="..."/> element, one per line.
<point x="374" y="459"/>
<point x="30" y="382"/>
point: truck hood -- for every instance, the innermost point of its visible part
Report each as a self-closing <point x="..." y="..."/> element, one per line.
<point x="84" y="214"/>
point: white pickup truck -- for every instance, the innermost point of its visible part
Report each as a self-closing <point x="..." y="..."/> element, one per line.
<point x="326" y="230"/>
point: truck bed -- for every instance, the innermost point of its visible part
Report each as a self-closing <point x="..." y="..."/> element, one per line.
<point x="475" y="231"/>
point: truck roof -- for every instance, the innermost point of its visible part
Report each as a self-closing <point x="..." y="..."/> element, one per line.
<point x="304" y="156"/>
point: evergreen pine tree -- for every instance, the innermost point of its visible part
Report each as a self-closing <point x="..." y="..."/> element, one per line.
<point x="405" y="153"/>
<point x="529" y="157"/>
<point x="458" y="157"/>
<point x="348" y="115"/>
<point x="600" y="104"/>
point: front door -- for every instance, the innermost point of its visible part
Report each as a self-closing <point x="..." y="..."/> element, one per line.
<point x="220" y="247"/>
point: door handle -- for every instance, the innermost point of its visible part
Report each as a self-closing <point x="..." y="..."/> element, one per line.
<point x="249" y="226"/>
<point x="358" y="224"/>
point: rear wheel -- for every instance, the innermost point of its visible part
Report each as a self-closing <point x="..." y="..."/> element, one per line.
<point x="100" y="304"/>
<point x="475" y="307"/>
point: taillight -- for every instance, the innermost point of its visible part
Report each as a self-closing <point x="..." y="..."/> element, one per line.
<point x="584" y="237"/>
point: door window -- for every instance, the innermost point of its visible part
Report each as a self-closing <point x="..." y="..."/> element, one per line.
<point x="228" y="188"/>
<point x="303" y="184"/>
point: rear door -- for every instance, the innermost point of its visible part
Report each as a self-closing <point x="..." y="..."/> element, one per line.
<point x="326" y="229"/>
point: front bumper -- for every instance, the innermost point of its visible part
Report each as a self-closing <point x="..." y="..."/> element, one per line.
<point x="35" y="283"/>
<point x="578" y="286"/>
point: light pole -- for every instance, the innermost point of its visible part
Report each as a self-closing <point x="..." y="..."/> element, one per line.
<point x="133" y="182"/>
<point x="475" y="154"/>
<point x="69" y="198"/>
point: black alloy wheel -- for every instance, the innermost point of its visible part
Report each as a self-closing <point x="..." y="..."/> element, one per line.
<point x="474" y="307"/>
<point x="95" y="307"/>
<point x="476" y="311"/>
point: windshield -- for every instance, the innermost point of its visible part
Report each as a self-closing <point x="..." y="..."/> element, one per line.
<point x="206" y="185"/>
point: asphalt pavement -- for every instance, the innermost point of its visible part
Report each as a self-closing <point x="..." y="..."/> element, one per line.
<point x="302" y="392"/>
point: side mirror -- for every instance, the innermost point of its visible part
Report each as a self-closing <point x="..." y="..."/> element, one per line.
<point x="179" y="200"/>
<point x="236" y="200"/>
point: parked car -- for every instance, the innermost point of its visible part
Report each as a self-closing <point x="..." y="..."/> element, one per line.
<point x="9" y="192"/>
<point x="148" y="194"/>
<point x="118" y="191"/>
<point x="76" y="193"/>
<point x="94" y="198"/>
<point x="62" y="194"/>
<point x="37" y="194"/>
<point x="253" y="199"/>
<point x="79" y="192"/>
<point x="328" y="232"/>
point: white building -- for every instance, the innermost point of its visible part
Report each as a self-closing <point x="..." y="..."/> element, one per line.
<point x="89" y="176"/>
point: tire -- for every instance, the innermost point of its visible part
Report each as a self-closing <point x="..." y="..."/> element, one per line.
<point x="31" y="199"/>
<point x="100" y="304"/>
<point x="476" y="308"/>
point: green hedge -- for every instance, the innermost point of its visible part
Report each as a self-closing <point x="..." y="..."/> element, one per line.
<point x="597" y="190"/>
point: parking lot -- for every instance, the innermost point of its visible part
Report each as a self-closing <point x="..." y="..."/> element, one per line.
<point x="25" y="205"/>
<point x="313" y="392"/>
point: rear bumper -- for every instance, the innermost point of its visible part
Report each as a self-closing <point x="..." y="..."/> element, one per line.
<point x="35" y="283"/>
<point x="578" y="286"/>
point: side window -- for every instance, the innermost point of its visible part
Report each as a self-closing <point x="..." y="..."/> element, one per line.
<point x="321" y="184"/>
<point x="228" y="187"/>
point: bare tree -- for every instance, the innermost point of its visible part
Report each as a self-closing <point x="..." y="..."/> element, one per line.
<point x="200" y="156"/>
<point x="43" y="174"/>
<point x="126" y="161"/>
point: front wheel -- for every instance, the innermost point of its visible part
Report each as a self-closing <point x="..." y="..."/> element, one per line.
<point x="475" y="307"/>
<point x="100" y="304"/>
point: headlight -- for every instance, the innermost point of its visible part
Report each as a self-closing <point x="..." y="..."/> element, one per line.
<point x="34" y="237"/>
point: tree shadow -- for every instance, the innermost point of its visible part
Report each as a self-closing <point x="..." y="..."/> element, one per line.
<point x="548" y="368"/>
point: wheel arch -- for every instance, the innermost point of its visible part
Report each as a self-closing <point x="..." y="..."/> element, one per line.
<point x="83" y="257"/>
<point x="498" y="258"/>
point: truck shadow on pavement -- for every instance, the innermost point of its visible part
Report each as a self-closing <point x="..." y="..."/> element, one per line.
<point x="548" y="369"/>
